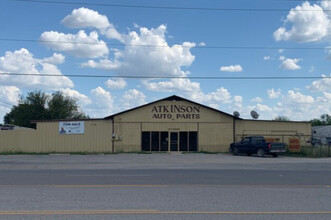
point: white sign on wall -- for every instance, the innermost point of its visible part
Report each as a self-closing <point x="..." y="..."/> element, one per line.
<point x="71" y="127"/>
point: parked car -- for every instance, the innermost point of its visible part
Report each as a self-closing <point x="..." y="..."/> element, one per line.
<point x="257" y="145"/>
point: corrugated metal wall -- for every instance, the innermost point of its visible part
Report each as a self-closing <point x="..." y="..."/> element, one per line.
<point x="97" y="138"/>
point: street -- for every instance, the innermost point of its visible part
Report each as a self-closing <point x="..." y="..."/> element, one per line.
<point x="164" y="186"/>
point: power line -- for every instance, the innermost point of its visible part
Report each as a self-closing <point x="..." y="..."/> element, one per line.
<point x="161" y="46"/>
<point x="172" y="77"/>
<point x="166" y="7"/>
<point x="6" y="103"/>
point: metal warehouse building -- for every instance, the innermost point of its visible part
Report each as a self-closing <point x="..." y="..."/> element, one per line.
<point x="169" y="124"/>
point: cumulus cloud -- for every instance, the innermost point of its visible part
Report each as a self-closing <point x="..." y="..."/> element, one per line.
<point x="103" y="103"/>
<point x="82" y="99"/>
<point x="257" y="99"/>
<point x="309" y="23"/>
<point x="191" y="90"/>
<point x="232" y="68"/>
<point x="202" y="44"/>
<point x="23" y="62"/>
<point x="84" y="17"/>
<point x="289" y="64"/>
<point x="87" y="18"/>
<point x="143" y="59"/>
<point x="272" y="94"/>
<point x="132" y="98"/>
<point x="116" y="83"/>
<point x="266" y="58"/>
<point x="79" y="45"/>
<point x="298" y="98"/>
<point x="260" y="108"/>
<point x="322" y="85"/>
<point x="9" y="95"/>
<point x="174" y="85"/>
<point x="56" y="59"/>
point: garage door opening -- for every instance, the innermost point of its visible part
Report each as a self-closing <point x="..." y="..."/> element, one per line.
<point x="159" y="141"/>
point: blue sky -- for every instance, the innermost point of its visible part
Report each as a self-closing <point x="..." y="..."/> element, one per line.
<point x="95" y="38"/>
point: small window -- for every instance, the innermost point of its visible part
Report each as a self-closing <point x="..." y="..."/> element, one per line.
<point x="259" y="140"/>
<point x="245" y="141"/>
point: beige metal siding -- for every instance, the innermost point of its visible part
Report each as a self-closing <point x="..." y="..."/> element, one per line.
<point x="215" y="137"/>
<point x="146" y="113"/>
<point x="128" y="137"/>
<point x="97" y="138"/>
<point x="280" y="130"/>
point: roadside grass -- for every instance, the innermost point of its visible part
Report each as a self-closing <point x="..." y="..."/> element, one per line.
<point x="312" y="152"/>
<point x="54" y="153"/>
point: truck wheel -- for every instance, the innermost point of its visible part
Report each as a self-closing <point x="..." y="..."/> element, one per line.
<point x="260" y="153"/>
<point x="235" y="151"/>
<point x="275" y="155"/>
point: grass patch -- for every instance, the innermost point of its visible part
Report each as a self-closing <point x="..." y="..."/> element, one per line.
<point x="312" y="152"/>
<point x="49" y="153"/>
<point x="22" y="153"/>
<point x="199" y="152"/>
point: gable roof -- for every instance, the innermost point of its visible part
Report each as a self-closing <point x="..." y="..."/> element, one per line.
<point x="171" y="98"/>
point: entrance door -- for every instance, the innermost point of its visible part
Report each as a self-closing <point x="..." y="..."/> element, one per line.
<point x="173" y="141"/>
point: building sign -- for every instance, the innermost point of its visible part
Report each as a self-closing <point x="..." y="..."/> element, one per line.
<point x="71" y="127"/>
<point x="294" y="145"/>
<point x="175" y="112"/>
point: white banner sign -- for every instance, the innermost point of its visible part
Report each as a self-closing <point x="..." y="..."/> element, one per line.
<point x="71" y="127"/>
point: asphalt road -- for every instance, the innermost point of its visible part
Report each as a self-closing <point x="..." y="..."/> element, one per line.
<point x="164" y="186"/>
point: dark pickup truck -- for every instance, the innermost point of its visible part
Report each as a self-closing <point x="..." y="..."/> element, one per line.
<point x="257" y="145"/>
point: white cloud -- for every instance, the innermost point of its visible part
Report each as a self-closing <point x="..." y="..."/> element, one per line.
<point x="232" y="68"/>
<point x="257" y="99"/>
<point x="309" y="24"/>
<point x="23" y="62"/>
<point x="87" y="18"/>
<point x="261" y="108"/>
<point x="79" y="45"/>
<point x="102" y="103"/>
<point x="174" y="85"/>
<point x="202" y="44"/>
<point x="322" y="85"/>
<point x="103" y="64"/>
<point x="56" y="59"/>
<point x="272" y="94"/>
<point x="132" y="98"/>
<point x="298" y="98"/>
<point x="116" y="83"/>
<point x="84" y="17"/>
<point x="237" y="102"/>
<point x="266" y="58"/>
<point x="9" y="95"/>
<point x="143" y="59"/>
<point x="82" y="99"/>
<point x="221" y="95"/>
<point x="289" y="64"/>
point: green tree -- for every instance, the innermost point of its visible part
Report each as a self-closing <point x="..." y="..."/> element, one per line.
<point x="281" y="118"/>
<point x="32" y="107"/>
<point x="64" y="107"/>
<point x="40" y="106"/>
<point x="324" y="119"/>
